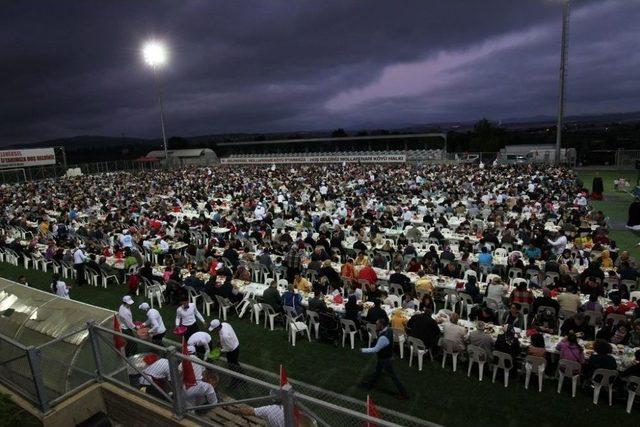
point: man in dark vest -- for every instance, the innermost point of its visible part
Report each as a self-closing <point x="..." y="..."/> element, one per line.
<point x="384" y="348"/>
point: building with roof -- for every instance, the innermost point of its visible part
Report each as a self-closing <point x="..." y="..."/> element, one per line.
<point x="192" y="156"/>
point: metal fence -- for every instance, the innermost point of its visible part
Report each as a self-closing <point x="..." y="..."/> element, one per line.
<point x="626" y="159"/>
<point x="238" y="387"/>
<point x="55" y="171"/>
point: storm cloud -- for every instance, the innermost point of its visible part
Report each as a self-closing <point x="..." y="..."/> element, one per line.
<point x="74" y="67"/>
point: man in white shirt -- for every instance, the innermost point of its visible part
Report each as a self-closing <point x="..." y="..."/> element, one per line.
<point x="201" y="341"/>
<point x="229" y="343"/>
<point x="272" y="414"/>
<point x="126" y="324"/>
<point x="157" y="330"/>
<point x="78" y="263"/>
<point x="157" y="373"/>
<point x="203" y="393"/>
<point x="186" y="315"/>
<point x="455" y="333"/>
<point x="559" y="244"/>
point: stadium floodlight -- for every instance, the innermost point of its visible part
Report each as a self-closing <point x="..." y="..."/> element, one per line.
<point x="155" y="54"/>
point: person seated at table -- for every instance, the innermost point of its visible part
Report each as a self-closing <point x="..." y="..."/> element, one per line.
<point x="424" y="283"/>
<point x="409" y="301"/>
<point x="618" y="334"/>
<point x="634" y="368"/>
<point x="545" y="301"/>
<point x="579" y="325"/>
<point x="272" y="297"/>
<point x="376" y="312"/>
<point x="368" y="273"/>
<point x="361" y="260"/>
<point x="569" y="300"/>
<point x="409" y="250"/>
<point x="514" y="317"/>
<point x="592" y="304"/>
<point x="437" y="234"/>
<point x="569" y="349"/>
<point x="532" y="251"/>
<point x="398" y="321"/>
<point x="521" y="295"/>
<point x="413" y="266"/>
<point x="348" y="270"/>
<point x="332" y="275"/>
<point x="454" y="333"/>
<point x="317" y="303"/>
<point x="292" y="299"/>
<point x="352" y="308"/>
<point x="401" y="279"/>
<point x="472" y="289"/>
<point x="228" y="291"/>
<point x="379" y="261"/>
<point x="301" y="284"/>
<point x="485" y="259"/>
<point x="545" y="321"/>
<point x="484" y="314"/>
<point x="481" y="339"/>
<point x="452" y="270"/>
<point x="194" y="282"/>
<point x="496" y="290"/>
<point x="537" y="347"/>
<point x="372" y="292"/>
<point x="424" y="327"/>
<point x="242" y="273"/>
<point x="593" y="270"/>
<point x="600" y="359"/>
<point x="507" y="342"/>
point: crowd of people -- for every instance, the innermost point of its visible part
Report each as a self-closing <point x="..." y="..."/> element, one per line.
<point x="516" y="246"/>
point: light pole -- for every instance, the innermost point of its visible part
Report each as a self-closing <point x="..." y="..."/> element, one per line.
<point x="563" y="71"/>
<point x="155" y="55"/>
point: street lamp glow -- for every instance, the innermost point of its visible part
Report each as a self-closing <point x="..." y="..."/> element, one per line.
<point x="154" y="53"/>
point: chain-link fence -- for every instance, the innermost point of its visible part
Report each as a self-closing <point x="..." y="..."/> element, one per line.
<point x="211" y="392"/>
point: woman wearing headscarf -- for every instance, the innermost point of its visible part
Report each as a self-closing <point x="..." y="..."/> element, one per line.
<point x="605" y="258"/>
<point x="507" y="342"/>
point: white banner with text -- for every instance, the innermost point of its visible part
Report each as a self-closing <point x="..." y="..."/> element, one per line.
<point x="391" y="158"/>
<point x="27" y="158"/>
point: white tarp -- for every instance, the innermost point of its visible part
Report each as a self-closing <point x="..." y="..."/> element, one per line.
<point x="391" y="158"/>
<point x="27" y="158"/>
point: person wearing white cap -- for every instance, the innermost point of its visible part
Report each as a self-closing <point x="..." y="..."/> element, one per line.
<point x="229" y="343"/>
<point x="126" y="324"/>
<point x="201" y="341"/>
<point x="154" y="322"/>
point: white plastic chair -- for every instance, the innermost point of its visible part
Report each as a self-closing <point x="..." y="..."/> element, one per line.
<point x="269" y="314"/>
<point x="372" y="333"/>
<point x="296" y="326"/>
<point x="570" y="369"/>
<point x="448" y="347"/>
<point x="348" y="328"/>
<point x="207" y="302"/>
<point x="504" y="362"/>
<point x="394" y="301"/>
<point x="314" y="322"/>
<point x="477" y="355"/>
<point x="416" y="345"/>
<point x="633" y="388"/>
<point x="603" y="378"/>
<point x="155" y="292"/>
<point x="537" y="365"/>
<point x="400" y="337"/>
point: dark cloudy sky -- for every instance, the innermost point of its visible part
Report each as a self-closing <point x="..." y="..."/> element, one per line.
<point x="74" y="67"/>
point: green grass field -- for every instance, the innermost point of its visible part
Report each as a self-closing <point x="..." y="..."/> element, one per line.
<point x="616" y="206"/>
<point x="437" y="394"/>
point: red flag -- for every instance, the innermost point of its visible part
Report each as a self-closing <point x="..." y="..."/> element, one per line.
<point x="118" y="341"/>
<point x="283" y="376"/>
<point x="372" y="411"/>
<point x="283" y="381"/>
<point x="188" y="376"/>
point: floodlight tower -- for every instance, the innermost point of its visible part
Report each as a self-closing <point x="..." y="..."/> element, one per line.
<point x="155" y="55"/>
<point x="563" y="72"/>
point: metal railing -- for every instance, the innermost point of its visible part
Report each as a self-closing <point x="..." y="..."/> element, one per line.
<point x="236" y="386"/>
